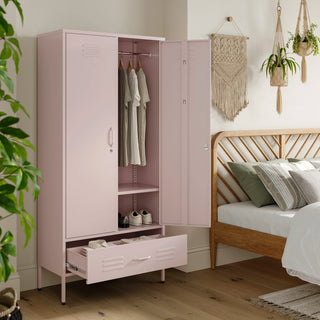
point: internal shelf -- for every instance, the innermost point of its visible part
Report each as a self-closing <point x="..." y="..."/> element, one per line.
<point x="143" y="227"/>
<point x="133" y="188"/>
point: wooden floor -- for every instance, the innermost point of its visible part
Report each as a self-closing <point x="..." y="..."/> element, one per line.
<point x="218" y="294"/>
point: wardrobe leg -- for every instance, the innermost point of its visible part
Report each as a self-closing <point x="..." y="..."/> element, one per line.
<point x="213" y="249"/>
<point x="39" y="277"/>
<point x="163" y="276"/>
<point x="63" y="290"/>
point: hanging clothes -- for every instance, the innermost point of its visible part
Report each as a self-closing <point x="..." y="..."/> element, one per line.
<point x="123" y="101"/>
<point x="133" y="139"/>
<point x="144" y="95"/>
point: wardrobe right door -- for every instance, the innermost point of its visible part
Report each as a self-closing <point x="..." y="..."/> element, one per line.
<point x="185" y="85"/>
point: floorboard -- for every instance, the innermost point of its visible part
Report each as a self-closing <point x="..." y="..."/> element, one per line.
<point x="220" y="294"/>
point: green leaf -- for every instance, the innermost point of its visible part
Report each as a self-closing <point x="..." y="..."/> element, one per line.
<point x="36" y="187"/>
<point x="7" y="188"/>
<point x="22" y="152"/>
<point x="26" y="143"/>
<point x="24" y="181"/>
<point x="8" y="204"/>
<point x="7" y="238"/>
<point x="6" y="51"/>
<point x="16" y="59"/>
<point x="7" y="268"/>
<point x="24" y="222"/>
<point x="35" y="171"/>
<point x="9" y="249"/>
<point x="10" y="31"/>
<point x="17" y="4"/>
<point x="8" y="121"/>
<point x="16" y="105"/>
<point x="7" y="80"/>
<point x="14" y="132"/>
<point x="7" y="146"/>
<point x="15" y="42"/>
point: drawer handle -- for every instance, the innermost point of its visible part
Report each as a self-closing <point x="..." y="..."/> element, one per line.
<point x="110" y="137"/>
<point x="142" y="259"/>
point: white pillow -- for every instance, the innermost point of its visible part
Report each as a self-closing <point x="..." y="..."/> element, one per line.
<point x="279" y="183"/>
<point x="308" y="182"/>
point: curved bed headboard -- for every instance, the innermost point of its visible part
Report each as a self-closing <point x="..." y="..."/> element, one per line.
<point x="254" y="146"/>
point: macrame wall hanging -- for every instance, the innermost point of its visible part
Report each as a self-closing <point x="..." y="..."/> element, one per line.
<point x="229" y="72"/>
<point x="279" y="78"/>
<point x="303" y="46"/>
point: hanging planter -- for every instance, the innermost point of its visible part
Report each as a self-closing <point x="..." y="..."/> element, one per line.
<point x="304" y="42"/>
<point x="278" y="64"/>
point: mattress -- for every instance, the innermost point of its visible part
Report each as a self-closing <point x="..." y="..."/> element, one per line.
<point x="269" y="219"/>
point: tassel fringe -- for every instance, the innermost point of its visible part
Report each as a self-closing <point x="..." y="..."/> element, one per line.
<point x="279" y="101"/>
<point x="303" y="69"/>
<point x="230" y="98"/>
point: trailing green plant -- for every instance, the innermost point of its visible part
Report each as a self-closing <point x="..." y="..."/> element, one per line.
<point x="311" y="39"/>
<point x="16" y="172"/>
<point x="279" y="60"/>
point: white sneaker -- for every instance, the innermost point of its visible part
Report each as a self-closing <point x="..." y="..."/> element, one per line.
<point x="135" y="219"/>
<point x="146" y="217"/>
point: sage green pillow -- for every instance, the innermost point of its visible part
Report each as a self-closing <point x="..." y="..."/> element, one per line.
<point x="251" y="183"/>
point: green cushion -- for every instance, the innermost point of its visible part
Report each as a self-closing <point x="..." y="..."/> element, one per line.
<point x="307" y="159"/>
<point x="251" y="183"/>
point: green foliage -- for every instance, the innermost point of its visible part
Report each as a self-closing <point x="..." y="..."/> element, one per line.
<point x="16" y="172"/>
<point x="310" y="38"/>
<point x="279" y="60"/>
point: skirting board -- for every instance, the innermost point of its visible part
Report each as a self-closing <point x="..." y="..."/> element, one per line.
<point x="198" y="259"/>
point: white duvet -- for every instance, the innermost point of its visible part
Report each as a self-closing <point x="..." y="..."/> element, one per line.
<point x="301" y="255"/>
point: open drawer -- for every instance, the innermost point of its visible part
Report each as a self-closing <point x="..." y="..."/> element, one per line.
<point x="128" y="259"/>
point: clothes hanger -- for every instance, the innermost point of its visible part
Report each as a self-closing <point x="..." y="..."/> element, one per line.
<point x="130" y="67"/>
<point x="139" y="66"/>
<point x="121" y="64"/>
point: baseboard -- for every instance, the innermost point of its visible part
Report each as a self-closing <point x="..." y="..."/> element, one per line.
<point x="13" y="282"/>
<point x="28" y="276"/>
<point x="199" y="258"/>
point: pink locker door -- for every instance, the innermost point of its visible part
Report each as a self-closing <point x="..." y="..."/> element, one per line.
<point x="91" y="134"/>
<point x="185" y="185"/>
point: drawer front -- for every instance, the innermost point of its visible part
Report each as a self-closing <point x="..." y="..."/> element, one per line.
<point x="134" y="258"/>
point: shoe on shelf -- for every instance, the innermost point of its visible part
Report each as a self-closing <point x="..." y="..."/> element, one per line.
<point x="123" y="222"/>
<point x="135" y="219"/>
<point x="146" y="217"/>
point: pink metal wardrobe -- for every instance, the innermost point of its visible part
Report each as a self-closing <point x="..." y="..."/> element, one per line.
<point x="83" y="188"/>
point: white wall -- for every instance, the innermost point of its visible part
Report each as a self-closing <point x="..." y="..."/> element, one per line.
<point x="257" y="19"/>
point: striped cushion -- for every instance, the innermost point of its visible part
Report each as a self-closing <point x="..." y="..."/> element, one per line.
<point x="280" y="185"/>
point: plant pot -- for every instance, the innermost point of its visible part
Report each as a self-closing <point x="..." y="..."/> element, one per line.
<point x="304" y="49"/>
<point x="276" y="80"/>
<point x="9" y="308"/>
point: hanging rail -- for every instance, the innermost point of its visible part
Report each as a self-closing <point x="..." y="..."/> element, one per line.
<point x="135" y="53"/>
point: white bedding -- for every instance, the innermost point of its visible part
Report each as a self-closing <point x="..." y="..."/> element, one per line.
<point x="268" y="219"/>
<point x="301" y="254"/>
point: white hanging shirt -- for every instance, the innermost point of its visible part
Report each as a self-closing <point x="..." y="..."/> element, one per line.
<point x="133" y="138"/>
<point x="144" y="94"/>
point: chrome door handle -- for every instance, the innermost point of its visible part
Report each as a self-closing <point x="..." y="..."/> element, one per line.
<point x="142" y="259"/>
<point x="110" y="137"/>
<point x="205" y="147"/>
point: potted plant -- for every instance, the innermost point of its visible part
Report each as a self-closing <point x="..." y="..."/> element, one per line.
<point x="305" y="44"/>
<point x="16" y="172"/>
<point x="277" y="66"/>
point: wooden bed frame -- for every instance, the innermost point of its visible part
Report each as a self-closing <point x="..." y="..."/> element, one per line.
<point x="251" y="146"/>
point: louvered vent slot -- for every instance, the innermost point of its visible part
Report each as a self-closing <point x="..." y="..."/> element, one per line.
<point x="114" y="263"/>
<point x="165" y="254"/>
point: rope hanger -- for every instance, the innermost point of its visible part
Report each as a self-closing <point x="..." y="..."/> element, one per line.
<point x="229" y="19"/>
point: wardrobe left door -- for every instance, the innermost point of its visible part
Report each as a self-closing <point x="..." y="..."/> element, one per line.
<point x="91" y="123"/>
